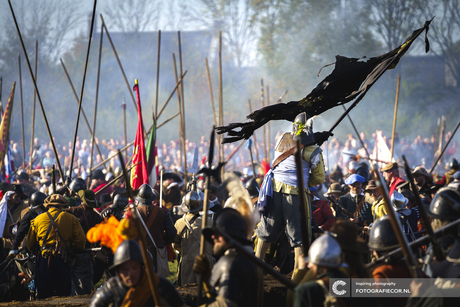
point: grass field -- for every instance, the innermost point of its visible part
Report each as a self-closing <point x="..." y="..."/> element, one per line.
<point x="172" y="271"/>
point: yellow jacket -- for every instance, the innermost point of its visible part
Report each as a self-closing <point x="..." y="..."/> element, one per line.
<point x="68" y="225"/>
<point x="378" y="208"/>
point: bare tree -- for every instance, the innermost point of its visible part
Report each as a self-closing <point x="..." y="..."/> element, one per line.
<point x="233" y="18"/>
<point x="133" y="15"/>
<point x="446" y="34"/>
<point x="51" y="24"/>
<point x="394" y="19"/>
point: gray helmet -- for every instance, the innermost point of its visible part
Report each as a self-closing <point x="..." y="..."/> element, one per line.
<point x="37" y="199"/>
<point x="127" y="250"/>
<point x="303" y="127"/>
<point x="231" y="222"/>
<point x="454" y="164"/>
<point x="145" y="195"/>
<point x="77" y="184"/>
<point x="191" y="202"/>
<point x="120" y="202"/>
<point x="325" y="251"/>
<point x="353" y="166"/>
<point x="253" y="188"/>
<point x="445" y="204"/>
<point x="382" y="236"/>
<point x="398" y="200"/>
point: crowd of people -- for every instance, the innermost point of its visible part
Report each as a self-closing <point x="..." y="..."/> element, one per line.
<point x="344" y="231"/>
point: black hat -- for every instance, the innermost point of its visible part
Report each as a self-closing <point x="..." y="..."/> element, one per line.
<point x="98" y="174"/>
<point x="105" y="199"/>
<point x="18" y="189"/>
<point x="230" y="222"/>
<point x="23" y="175"/>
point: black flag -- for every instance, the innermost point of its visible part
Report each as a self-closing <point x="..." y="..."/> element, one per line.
<point x="351" y="77"/>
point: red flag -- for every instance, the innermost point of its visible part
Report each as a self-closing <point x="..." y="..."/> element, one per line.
<point x="139" y="174"/>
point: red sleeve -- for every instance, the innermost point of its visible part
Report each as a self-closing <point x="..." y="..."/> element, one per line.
<point x="329" y="218"/>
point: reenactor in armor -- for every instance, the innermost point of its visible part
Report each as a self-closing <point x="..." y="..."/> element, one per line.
<point x="157" y="220"/>
<point x="382" y="239"/>
<point x="11" y="207"/>
<point x="117" y="208"/>
<point x="456" y="183"/>
<point x="409" y="217"/>
<point x="444" y="209"/>
<point x="130" y="284"/>
<point x="324" y="262"/>
<point x="423" y="181"/>
<point x="234" y="280"/>
<point x="187" y="240"/>
<point x="281" y="183"/>
<point x="449" y="176"/>
<point x="83" y="270"/>
<point x="36" y="207"/>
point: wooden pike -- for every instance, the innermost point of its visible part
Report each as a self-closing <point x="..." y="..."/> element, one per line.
<point x="121" y="68"/>
<point x="181" y="118"/>
<point x="82" y="110"/>
<point x="36" y="89"/>
<point x="82" y="91"/>
<point x="93" y="136"/>
<point x="166" y="121"/>
<point x="221" y="102"/>
<point x="33" y="112"/>
<point x="396" y="224"/>
<point x="424" y="216"/>
<point x="444" y="149"/>
<point x="394" y="118"/>
<point x="158" y="73"/>
<point x="123" y="106"/>
<point x="169" y="98"/>
<point x="22" y="113"/>
<point x="182" y="97"/>
<point x="151" y="275"/>
<point x="212" y="96"/>
<point x="268" y="126"/>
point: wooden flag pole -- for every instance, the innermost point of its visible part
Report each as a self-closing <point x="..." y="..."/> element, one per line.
<point x="36" y="89"/>
<point x="81" y="92"/>
<point x="254" y="135"/>
<point x="33" y="112"/>
<point x="394" y="118"/>
<point x="158" y="73"/>
<point x="93" y="136"/>
<point x="262" y="101"/>
<point x="82" y="110"/>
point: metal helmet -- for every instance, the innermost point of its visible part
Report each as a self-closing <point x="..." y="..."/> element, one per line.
<point x="303" y="127"/>
<point x="398" y="200"/>
<point x="77" y="184"/>
<point x="445" y="204"/>
<point x="120" y="202"/>
<point x="231" y="222"/>
<point x="37" y="199"/>
<point x="253" y="188"/>
<point x="191" y="202"/>
<point x="145" y="195"/>
<point x="382" y="236"/>
<point x="325" y="251"/>
<point x="127" y="250"/>
<point x="353" y="167"/>
<point x="454" y="164"/>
